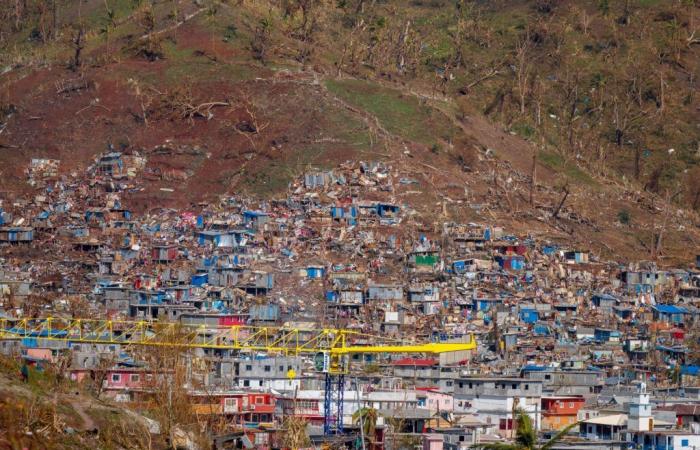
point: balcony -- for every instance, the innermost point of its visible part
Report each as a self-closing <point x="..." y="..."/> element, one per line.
<point x="269" y="409"/>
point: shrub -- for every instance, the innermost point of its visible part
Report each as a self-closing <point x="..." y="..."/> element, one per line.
<point x="623" y="217"/>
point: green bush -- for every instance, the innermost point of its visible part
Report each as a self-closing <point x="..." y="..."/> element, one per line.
<point x="624" y="217"/>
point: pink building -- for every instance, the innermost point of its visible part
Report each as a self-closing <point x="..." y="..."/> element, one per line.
<point x="79" y="375"/>
<point x="123" y="383"/>
<point x="432" y="442"/>
<point x="434" y="400"/>
<point x="40" y="354"/>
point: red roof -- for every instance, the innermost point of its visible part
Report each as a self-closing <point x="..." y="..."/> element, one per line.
<point x="421" y="362"/>
<point x="682" y="409"/>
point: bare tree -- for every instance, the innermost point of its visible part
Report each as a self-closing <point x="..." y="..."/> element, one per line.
<point x="693" y="188"/>
<point x="350" y="45"/>
<point x="149" y="44"/>
<point x="99" y="373"/>
<point x="584" y="20"/>
<point x="626" y="115"/>
<point x="260" y="41"/>
<point x="407" y="49"/>
<point x="252" y="126"/>
<point x="78" y="46"/>
<point x="168" y="377"/>
<point x="565" y="195"/>
<point x="402" y="47"/>
<point x="523" y="50"/>
<point x="19" y="13"/>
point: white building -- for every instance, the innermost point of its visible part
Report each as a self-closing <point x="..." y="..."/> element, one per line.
<point x="497" y="400"/>
<point x="639" y="417"/>
<point x="665" y="440"/>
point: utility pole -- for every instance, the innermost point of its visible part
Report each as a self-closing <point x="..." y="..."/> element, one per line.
<point x="653" y="232"/>
<point x="359" y="409"/>
<point x="532" y="175"/>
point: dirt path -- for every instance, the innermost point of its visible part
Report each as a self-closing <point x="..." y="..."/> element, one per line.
<point x="88" y="423"/>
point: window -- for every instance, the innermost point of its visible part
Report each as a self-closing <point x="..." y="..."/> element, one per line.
<point x="267" y="368"/>
<point x="449" y="384"/>
<point x="505" y="424"/>
<point x="246" y="383"/>
<point x="470" y="385"/>
<point x="281" y="368"/>
<point x="230" y="405"/>
<point x="135" y="378"/>
<point x="571" y="404"/>
<point x="260" y="383"/>
<point x="307" y="405"/>
<point x="248" y="367"/>
<point x="685" y="443"/>
<point x="259" y="400"/>
<point x="527" y="387"/>
<point x="514" y="386"/>
<point x="461" y="385"/>
<point x="116" y="378"/>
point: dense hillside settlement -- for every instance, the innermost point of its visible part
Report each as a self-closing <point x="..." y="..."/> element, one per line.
<point x="349" y="224"/>
<point x="605" y="350"/>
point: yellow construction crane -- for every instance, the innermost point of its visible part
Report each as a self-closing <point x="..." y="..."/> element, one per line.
<point x="287" y="340"/>
<point x="330" y="347"/>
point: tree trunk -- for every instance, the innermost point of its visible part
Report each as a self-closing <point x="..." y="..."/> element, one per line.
<point x="561" y="203"/>
<point x="78" y="44"/>
<point x="54" y="31"/>
<point x="618" y="137"/>
<point x="532" y="175"/>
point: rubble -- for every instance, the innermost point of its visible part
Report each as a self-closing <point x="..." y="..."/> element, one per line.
<point x="565" y="336"/>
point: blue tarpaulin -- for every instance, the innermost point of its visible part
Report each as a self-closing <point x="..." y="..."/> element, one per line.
<point x="670" y="309"/>
<point x="690" y="370"/>
<point x="200" y="279"/>
<point x="542" y="330"/>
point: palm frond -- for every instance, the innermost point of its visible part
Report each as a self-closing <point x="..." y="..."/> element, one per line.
<point x="496" y="446"/>
<point x="525" y="432"/>
<point x="559" y="436"/>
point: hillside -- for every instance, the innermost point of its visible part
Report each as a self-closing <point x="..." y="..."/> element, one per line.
<point x="49" y="412"/>
<point x="468" y="98"/>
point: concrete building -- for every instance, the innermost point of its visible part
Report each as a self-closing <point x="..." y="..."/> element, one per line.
<point x="496" y="400"/>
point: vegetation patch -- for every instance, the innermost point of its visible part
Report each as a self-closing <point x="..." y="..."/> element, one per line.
<point x="403" y="115"/>
<point x="556" y="162"/>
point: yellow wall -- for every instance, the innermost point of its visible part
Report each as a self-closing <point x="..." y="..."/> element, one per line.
<point x="557" y="422"/>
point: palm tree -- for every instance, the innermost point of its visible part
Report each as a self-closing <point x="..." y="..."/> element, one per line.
<point x="526" y="436"/>
<point x="367" y="417"/>
<point x="294" y="435"/>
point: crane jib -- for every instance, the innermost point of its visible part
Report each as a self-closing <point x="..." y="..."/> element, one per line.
<point x="285" y="340"/>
